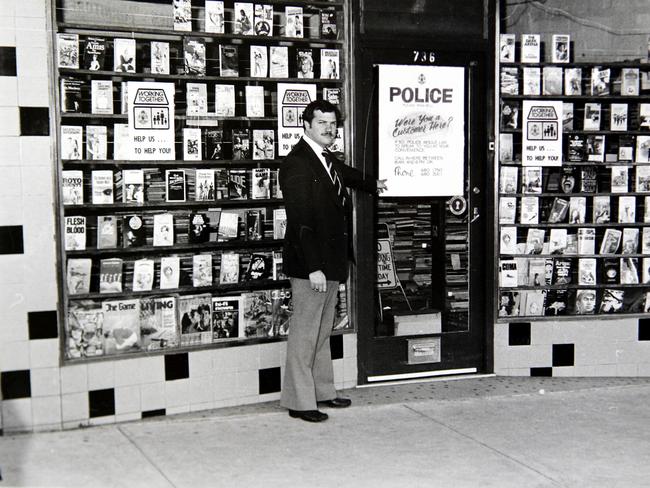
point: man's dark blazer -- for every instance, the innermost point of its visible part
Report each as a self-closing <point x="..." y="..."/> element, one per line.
<point x="317" y="235"/>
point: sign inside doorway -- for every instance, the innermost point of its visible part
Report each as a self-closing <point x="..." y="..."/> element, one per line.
<point x="422" y="130"/>
<point x="386" y="277"/>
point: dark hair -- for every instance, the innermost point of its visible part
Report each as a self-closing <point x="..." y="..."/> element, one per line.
<point x="322" y="106"/>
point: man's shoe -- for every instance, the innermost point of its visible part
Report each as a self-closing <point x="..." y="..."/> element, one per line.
<point x="308" y="415"/>
<point x="336" y="403"/>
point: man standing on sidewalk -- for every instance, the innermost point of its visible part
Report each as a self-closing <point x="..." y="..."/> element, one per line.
<point x="316" y="252"/>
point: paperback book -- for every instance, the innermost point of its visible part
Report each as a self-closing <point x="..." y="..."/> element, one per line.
<point x="259" y="61"/>
<point x="71" y="101"/>
<point x="279" y="223"/>
<point x="532" y="83"/>
<point x="106" y="232"/>
<point x="75" y="233"/>
<point x="560" y="49"/>
<point x="182" y="14"/>
<point x="101" y="96"/>
<point x="78" y="275"/>
<point x="279" y="62"/>
<point x="254" y="225"/>
<point x="260" y="183"/>
<point x="163" y="229"/>
<point x="329" y="64"/>
<point x="84" y="329"/>
<point x="96" y="142"/>
<point x="305" y="63"/>
<point x="201" y="270"/>
<point x="254" y="101"/>
<point x="213" y="144"/>
<point x="243" y="14"/>
<point x="228" y="60"/>
<point x="191" y="144"/>
<point x="197" y="99"/>
<point x="71" y="141"/>
<point x="225" y="318"/>
<point x="238" y="184"/>
<point x="329" y="26"/>
<point x="260" y="267"/>
<point x="199" y="228"/>
<point x="124" y="55"/>
<point x="121" y="326"/>
<point x="110" y="275"/>
<point x="263" y="144"/>
<point x="508" y="241"/>
<point x="194" y="56"/>
<point x="67" y="50"/>
<point x="228" y="228"/>
<point x="263" y="23"/>
<point x="293" y="26"/>
<point x="175" y="185"/>
<point x="159" y="57"/>
<point x="133" y="185"/>
<point x="507" y="48"/>
<point x="214" y="17"/>
<point x="530" y="48"/>
<point x="618" y="117"/>
<point x="552" y="80"/>
<point x="241" y="144"/>
<point x="573" y="81"/>
<point x="169" y="272"/>
<point x="143" y="273"/>
<point x="204" y="186"/>
<point x="102" y="187"/>
<point x="133" y="231"/>
<point x="229" y="269"/>
<point x="224" y="100"/>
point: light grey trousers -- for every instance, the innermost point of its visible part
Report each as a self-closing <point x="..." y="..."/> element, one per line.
<point x="309" y="375"/>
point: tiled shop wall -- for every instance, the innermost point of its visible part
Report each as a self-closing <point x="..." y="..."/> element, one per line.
<point x="36" y="392"/>
<point x="600" y="29"/>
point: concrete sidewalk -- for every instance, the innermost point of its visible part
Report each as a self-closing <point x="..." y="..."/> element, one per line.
<point x="483" y="432"/>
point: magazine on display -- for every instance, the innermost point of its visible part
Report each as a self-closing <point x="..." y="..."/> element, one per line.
<point x="241" y="146"/>
<point x="509" y="303"/>
<point x="559" y="210"/>
<point x="629" y="271"/>
<point x="199" y="228"/>
<point x="587" y="271"/>
<point x="96" y="142"/>
<point x="213" y="144"/>
<point x="195" y="312"/>
<point x="263" y="144"/>
<point x="204" y="186"/>
<point x="159" y="57"/>
<point x="228" y="228"/>
<point x="163" y="229"/>
<point x="630" y="240"/>
<point x="588" y="179"/>
<point x="619" y="179"/>
<point x="560" y="50"/>
<point x="194" y="56"/>
<point x="182" y="14"/>
<point x="532" y="179"/>
<point x="642" y="149"/>
<point x="225" y="318"/>
<point x="71" y="101"/>
<point x="229" y="269"/>
<point x="197" y="99"/>
<point x="507" y="48"/>
<point x="228" y="60"/>
<point x="592" y="116"/>
<point x="110" y="275"/>
<point x="169" y="272"/>
<point x="224" y="100"/>
<point x="133" y="231"/>
<point x="627" y="209"/>
<point x="630" y="81"/>
<point x="259" y="62"/>
<point x="618" y="117"/>
<point x="611" y="241"/>
<point x="158" y="323"/>
<point x="71" y="141"/>
<point x="279" y="62"/>
<point x="143" y="273"/>
<point x="536" y="272"/>
<point x="332" y="95"/>
<point x="101" y="96"/>
<point x="214" y="17"/>
<point x="551" y="80"/>
<point x="78" y="275"/>
<point x="577" y="210"/>
<point x="191" y="144"/>
<point x="175" y="185"/>
<point x="530" y="48"/>
<point x="573" y="81"/>
<point x="257" y="313"/>
<point x="329" y="64"/>
<point x="238" y="184"/>
<point x="254" y="225"/>
<point x="84" y="329"/>
<point x="260" y="183"/>
<point x="534" y="241"/>
<point x="124" y="55"/>
<point x="329" y="28"/>
<point x="254" y="101"/>
<point x="509" y="81"/>
<point x="509" y="115"/>
<point x="305" y="63"/>
<point x="106" y="232"/>
<point x="532" y="83"/>
<point x="293" y="26"/>
<point x="600" y="81"/>
<point x="102" y="186"/>
<point x="201" y="270"/>
<point x="75" y="233"/>
<point x="67" y="50"/>
<point x="642" y="179"/>
<point x="613" y="301"/>
<point x="586" y="240"/>
<point x="595" y="148"/>
<point x="535" y="302"/>
<point x="243" y="17"/>
<point x="263" y="23"/>
<point x="133" y="186"/>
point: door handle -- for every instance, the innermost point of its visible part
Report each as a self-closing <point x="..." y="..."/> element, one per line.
<point x="475" y="215"/>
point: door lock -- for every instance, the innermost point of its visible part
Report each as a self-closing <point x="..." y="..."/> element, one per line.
<point x="475" y="214"/>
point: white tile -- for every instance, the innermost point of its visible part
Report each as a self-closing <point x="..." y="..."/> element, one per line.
<point x="339" y="375"/>
<point x="30" y="32"/>
<point x="104" y="420"/>
<point x="518" y="372"/>
<point x="14" y="356"/>
<point x="101" y="375"/>
<point x="45" y="295"/>
<point x="225" y="385"/>
<point x="585" y="371"/>
<point x="31" y="8"/>
<point x="248" y="358"/>
<point x="350" y="345"/>
<point x="10" y="150"/>
<point x="11" y="210"/>
<point x="7" y="30"/>
<point x="127" y="399"/>
<point x="44" y="353"/>
<point x="127" y="372"/>
<point x="8" y="91"/>
<point x="31" y="62"/>
<point x="231" y="402"/>
<point x="605" y="370"/>
<point x="627" y="369"/>
<point x="273" y="355"/>
<point x="350" y="369"/>
<point x="153" y="396"/>
<point x="11" y="184"/>
<point x="199" y="407"/>
<point x="178" y="410"/>
<point x="14" y="327"/>
<point x="17" y="415"/>
<point x="34" y="91"/>
<point x="563" y="371"/>
<point x="225" y="359"/>
<point x="46" y="411"/>
<point x="269" y="397"/>
<point x="75" y="424"/>
<point x="500" y="359"/>
<point x="128" y="417"/>
<point x="644" y="369"/>
<point x="74" y="407"/>
<point x="38" y="181"/>
<point x="12" y="270"/>
<point x="201" y="390"/>
<point x="9" y="121"/>
<point x="74" y="378"/>
<point x="45" y="382"/>
<point x="200" y="363"/>
<point x="177" y="393"/>
<point x="247" y="383"/>
<point x="541" y="333"/>
<point x="152" y="369"/>
<point x="36" y="150"/>
<point x="500" y="335"/>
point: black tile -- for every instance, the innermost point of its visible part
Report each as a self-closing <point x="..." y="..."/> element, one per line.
<point x="34" y="121"/>
<point x="541" y="371"/>
<point x="101" y="402"/>
<point x="563" y="354"/>
<point x="7" y="61"/>
<point x="11" y="239"/>
<point x="336" y="346"/>
<point x="519" y="334"/>
<point x="644" y="329"/>
<point x="154" y="413"/>
<point x="16" y="384"/>
<point x="269" y="380"/>
<point x="176" y="366"/>
<point x="43" y="325"/>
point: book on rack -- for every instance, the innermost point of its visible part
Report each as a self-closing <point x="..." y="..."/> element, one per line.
<point x="552" y="80"/>
<point x="531" y="179"/>
<point x="260" y="183"/>
<point x="611" y="241"/>
<point x="642" y="179"/>
<point x="506" y="148"/>
<point x="124" y="55"/>
<point x="645" y="274"/>
<point x="532" y="81"/>
<point x="163" y="229"/>
<point x="642" y="149"/>
<point x="241" y="146"/>
<point x="618" y="117"/>
<point x="102" y="187"/>
<point x="587" y="271"/>
<point x="626" y="209"/>
<point x="170" y="272"/>
<point x="619" y="179"/>
<point x="293" y="22"/>
<point x="254" y="101"/>
<point x="645" y="241"/>
<point x="96" y="142"/>
<point x="626" y="145"/>
<point x="563" y="270"/>
<point x="121" y="329"/>
<point x="508" y="241"/>
<point x="101" y="96"/>
<point x="592" y="116"/>
<point x="263" y="144"/>
<point x="536" y="271"/>
<point x="278" y="266"/>
<point x="571" y="244"/>
<point x="279" y="223"/>
<point x="71" y="141"/>
<point x="507" y="210"/>
<point x="585" y="302"/>
<point x="243" y="16"/>
<point x="595" y="147"/>
<point x="567" y="116"/>
<point x="228" y="228"/>
<point x="199" y="228"/>
<point x="529" y="211"/>
<point x="224" y="100"/>
<point x="646" y="209"/>
<point x="133" y="231"/>
<point x="530" y="47"/>
<point x="601" y="209"/>
<point x="278" y="62"/>
<point x="204" y="188"/>
<point x="121" y="141"/>
<point x="588" y="179"/>
<point x="276" y="191"/>
<point x="509" y="115"/>
<point x="106" y="232"/>
<point x="630" y="240"/>
<point x="560" y="49"/>
<point x="612" y="301"/>
<point x="509" y="81"/>
<point x="305" y="63"/>
<point x="259" y="62"/>
<point x="229" y="269"/>
<point x="535" y="302"/>
<point x="110" y="275"/>
<point x="75" y="232"/>
<point x="71" y="95"/>
<point x="214" y="17"/>
<point x="644" y="116"/>
<point x="329" y="64"/>
<point x="158" y="323"/>
<point x="559" y="210"/>
<point x="573" y="81"/>
<point x="260" y="266"/>
<point x="228" y="60"/>
<point x="133" y="186"/>
<point x="506" y="48"/>
<point x="508" y="273"/>
<point x="257" y="313"/>
<point x="254" y="225"/>
<point x="225" y="318"/>
<point x="124" y="97"/>
<point x="194" y="57"/>
<point x="586" y="240"/>
<point x="600" y="81"/>
<point x="329" y="26"/>
<point x="263" y="23"/>
<point x="238" y="184"/>
<point x="535" y="241"/>
<point x="508" y="179"/>
<point x="78" y="275"/>
<point x="213" y="144"/>
<point x="556" y="303"/>
<point x="175" y="185"/>
<point x="67" y="46"/>
<point x="576" y="148"/>
<point x="553" y="179"/>
<point x="84" y="329"/>
<point x="191" y="144"/>
<point x="196" y="96"/>
<point x="610" y="271"/>
<point x="332" y="95"/>
<point x="143" y="272"/>
<point x="629" y="81"/>
<point x="577" y="210"/>
<point x="159" y="54"/>
<point x="557" y="241"/>
<point x="629" y="271"/>
<point x="509" y="303"/>
<point x="182" y="15"/>
<point x="195" y="312"/>
<point x="201" y="270"/>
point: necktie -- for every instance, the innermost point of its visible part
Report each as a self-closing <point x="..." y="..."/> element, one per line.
<point x="340" y="191"/>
